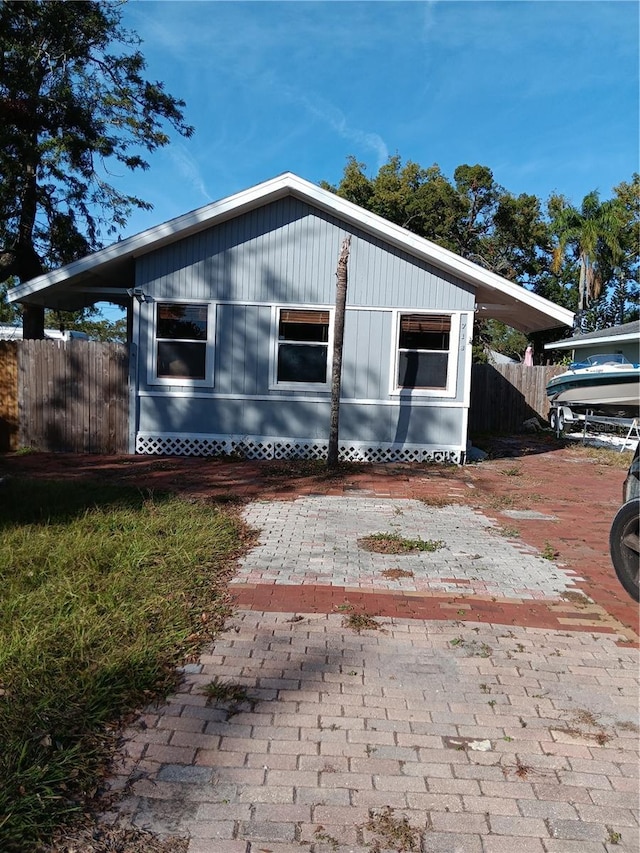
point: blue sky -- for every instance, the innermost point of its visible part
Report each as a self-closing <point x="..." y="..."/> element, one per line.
<point x="544" y="92"/>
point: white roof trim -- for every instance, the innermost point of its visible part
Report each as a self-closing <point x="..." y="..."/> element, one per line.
<point x="606" y="339"/>
<point x="271" y="190"/>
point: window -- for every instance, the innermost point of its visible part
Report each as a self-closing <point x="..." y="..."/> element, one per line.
<point x="302" y="347"/>
<point x="181" y="341"/>
<point x="423" y="351"/>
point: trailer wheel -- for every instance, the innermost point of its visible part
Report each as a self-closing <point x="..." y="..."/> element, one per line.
<point x="623" y="546"/>
<point x="556" y="419"/>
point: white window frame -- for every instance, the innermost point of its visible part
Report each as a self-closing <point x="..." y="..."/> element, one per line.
<point x="452" y="362"/>
<point x="274" y="385"/>
<point x="209" y="344"/>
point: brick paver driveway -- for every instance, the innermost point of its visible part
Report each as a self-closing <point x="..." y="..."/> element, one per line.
<point x="485" y="700"/>
<point x="316" y="541"/>
<point x="414" y="736"/>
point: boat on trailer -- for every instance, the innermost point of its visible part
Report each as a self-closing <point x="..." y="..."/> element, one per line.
<point x="605" y="382"/>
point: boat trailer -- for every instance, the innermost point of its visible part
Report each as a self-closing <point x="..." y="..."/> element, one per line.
<point x="560" y="415"/>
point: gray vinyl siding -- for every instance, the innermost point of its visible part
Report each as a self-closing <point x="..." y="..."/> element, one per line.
<point x="366" y="357"/>
<point x="299" y="419"/>
<point x="242" y="349"/>
<point x="405" y="424"/>
<point x="302" y="419"/>
<point x="287" y="252"/>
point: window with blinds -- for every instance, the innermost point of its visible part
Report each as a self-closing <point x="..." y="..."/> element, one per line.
<point x="303" y="338"/>
<point x="304" y="326"/>
<point x="423" y="350"/>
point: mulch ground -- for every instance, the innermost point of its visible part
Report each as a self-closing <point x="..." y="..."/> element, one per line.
<point x="580" y="488"/>
<point x="98" y="838"/>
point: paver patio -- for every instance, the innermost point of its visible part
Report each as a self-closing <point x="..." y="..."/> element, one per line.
<point x="314" y="540"/>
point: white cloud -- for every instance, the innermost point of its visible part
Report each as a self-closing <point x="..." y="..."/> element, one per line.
<point x="429" y="20"/>
<point x="188" y="169"/>
<point x="336" y="119"/>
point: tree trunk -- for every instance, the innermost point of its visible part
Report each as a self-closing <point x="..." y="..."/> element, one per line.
<point x="582" y="300"/>
<point x="29" y="264"/>
<point x="338" y="341"/>
<point x="33" y="322"/>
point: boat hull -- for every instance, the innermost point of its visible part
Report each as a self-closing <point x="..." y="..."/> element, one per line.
<point x="619" y="389"/>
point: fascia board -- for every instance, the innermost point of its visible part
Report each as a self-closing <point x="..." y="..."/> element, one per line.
<point x="613" y="339"/>
<point x="157" y="237"/>
<point x="278" y="187"/>
<point x="428" y="251"/>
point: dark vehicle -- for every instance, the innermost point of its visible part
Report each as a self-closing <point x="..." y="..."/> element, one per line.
<point x="623" y="538"/>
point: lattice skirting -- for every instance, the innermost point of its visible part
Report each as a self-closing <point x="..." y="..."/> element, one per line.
<point x="261" y="447"/>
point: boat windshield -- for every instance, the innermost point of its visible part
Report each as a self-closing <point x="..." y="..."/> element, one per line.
<point x="600" y="359"/>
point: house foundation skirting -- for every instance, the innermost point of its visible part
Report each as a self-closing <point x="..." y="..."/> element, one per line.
<point x="269" y="447"/>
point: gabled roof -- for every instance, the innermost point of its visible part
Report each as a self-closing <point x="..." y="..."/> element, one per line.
<point x="625" y="333"/>
<point x="91" y="279"/>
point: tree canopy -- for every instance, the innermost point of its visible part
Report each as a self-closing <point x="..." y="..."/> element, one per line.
<point x="596" y="255"/>
<point x="74" y="107"/>
<point x="473" y="215"/>
<point x="593" y="232"/>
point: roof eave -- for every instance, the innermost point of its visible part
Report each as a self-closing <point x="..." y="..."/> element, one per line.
<point x="155" y="238"/>
<point x="577" y="344"/>
<point x="537" y="314"/>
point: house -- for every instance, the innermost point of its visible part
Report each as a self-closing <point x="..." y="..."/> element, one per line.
<point x="494" y="357"/>
<point x="14" y="333"/>
<point x="231" y="318"/>
<point x="624" y="340"/>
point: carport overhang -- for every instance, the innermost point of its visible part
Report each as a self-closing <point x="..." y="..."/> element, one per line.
<point x="108" y="275"/>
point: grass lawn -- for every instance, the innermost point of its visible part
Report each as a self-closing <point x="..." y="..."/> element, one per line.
<point x="104" y="590"/>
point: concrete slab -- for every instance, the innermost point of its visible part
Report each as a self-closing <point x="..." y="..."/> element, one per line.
<point x="529" y="514"/>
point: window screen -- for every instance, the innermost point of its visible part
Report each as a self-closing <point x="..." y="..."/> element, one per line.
<point x="181" y="340"/>
<point x="303" y="337"/>
<point x="423" y="351"/>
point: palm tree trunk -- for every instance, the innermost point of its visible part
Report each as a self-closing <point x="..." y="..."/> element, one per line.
<point x="582" y="282"/>
<point x="338" y="342"/>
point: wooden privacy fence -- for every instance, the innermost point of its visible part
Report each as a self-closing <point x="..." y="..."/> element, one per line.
<point x="73" y="396"/>
<point x="504" y="396"/>
<point x="68" y="396"/>
<point x="9" y="420"/>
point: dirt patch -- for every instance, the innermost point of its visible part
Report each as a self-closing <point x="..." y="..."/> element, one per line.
<point x="392" y="543"/>
<point x="394" y="574"/>
<point x="96" y="838"/>
<point x="360" y="622"/>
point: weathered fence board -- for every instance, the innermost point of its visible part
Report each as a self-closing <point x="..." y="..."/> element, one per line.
<point x="73" y="396"/>
<point x="9" y="415"/>
<point x="504" y="396"/>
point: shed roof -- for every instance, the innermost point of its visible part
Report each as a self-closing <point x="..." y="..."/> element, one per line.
<point x="614" y="334"/>
<point x="91" y="279"/>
